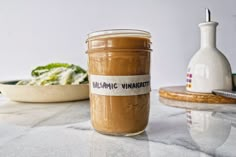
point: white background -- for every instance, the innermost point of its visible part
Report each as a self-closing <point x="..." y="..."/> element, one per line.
<point x="38" y="32"/>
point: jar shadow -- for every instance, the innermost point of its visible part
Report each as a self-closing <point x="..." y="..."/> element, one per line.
<point x="111" y="146"/>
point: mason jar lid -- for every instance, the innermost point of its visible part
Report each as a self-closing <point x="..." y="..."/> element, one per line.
<point x="119" y="33"/>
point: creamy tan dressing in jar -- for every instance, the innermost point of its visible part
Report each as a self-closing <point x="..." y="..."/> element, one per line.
<point x="119" y="75"/>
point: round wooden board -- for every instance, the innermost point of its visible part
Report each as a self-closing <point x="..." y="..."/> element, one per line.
<point x="180" y="93"/>
<point x="229" y="108"/>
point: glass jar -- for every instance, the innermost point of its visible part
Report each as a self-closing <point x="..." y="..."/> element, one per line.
<point x="119" y="76"/>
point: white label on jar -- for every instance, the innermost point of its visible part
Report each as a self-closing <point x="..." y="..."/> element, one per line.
<point x="119" y="85"/>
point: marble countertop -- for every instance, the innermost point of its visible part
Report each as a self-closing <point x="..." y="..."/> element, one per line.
<point x="64" y="130"/>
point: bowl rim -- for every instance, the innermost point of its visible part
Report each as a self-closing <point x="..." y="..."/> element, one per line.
<point x="13" y="83"/>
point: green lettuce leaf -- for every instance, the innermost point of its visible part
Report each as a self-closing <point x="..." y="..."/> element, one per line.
<point x="43" y="69"/>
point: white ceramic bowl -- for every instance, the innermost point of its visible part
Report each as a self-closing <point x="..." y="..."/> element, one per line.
<point x="51" y="93"/>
